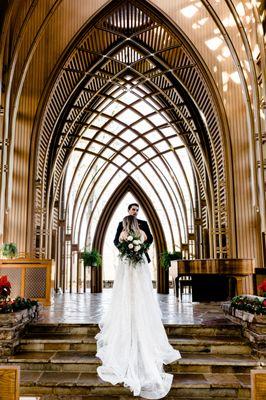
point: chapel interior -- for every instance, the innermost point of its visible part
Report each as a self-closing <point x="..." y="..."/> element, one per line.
<point x="156" y="102"/>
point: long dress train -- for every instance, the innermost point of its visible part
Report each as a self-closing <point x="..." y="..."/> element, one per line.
<point x="132" y="343"/>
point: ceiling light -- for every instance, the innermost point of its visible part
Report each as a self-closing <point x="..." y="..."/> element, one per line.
<point x="214" y="43"/>
<point x="220" y="58"/>
<point x="229" y="21"/>
<point x="189" y="11"/>
<point x="235" y="77"/>
<point x="203" y="21"/>
<point x="240" y="9"/>
<point x="225" y="52"/>
<point x="255" y="52"/>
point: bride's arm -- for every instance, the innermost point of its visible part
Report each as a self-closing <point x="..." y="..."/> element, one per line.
<point x="143" y="235"/>
<point x="123" y="236"/>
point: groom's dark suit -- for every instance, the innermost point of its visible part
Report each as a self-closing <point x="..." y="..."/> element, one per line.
<point x="143" y="225"/>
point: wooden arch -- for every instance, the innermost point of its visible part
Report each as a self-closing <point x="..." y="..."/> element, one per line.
<point x="131" y="185"/>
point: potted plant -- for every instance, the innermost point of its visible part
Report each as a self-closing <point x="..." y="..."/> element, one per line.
<point x="166" y="258"/>
<point x="9" y="250"/>
<point x="176" y="255"/>
<point x="91" y="258"/>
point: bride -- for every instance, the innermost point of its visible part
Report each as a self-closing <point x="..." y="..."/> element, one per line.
<point x="132" y="343"/>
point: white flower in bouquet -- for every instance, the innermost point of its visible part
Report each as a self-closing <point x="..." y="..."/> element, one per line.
<point x="130" y="246"/>
<point x="136" y="248"/>
<point x="136" y="242"/>
<point x="129" y="238"/>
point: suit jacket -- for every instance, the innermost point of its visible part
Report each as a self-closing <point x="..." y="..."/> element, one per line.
<point x="142" y="225"/>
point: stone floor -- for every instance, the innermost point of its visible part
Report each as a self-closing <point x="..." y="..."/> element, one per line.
<point x="89" y="308"/>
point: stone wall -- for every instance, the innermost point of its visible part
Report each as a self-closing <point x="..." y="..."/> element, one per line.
<point x="12" y="327"/>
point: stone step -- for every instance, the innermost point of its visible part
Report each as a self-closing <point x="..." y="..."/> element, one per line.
<point x="86" y="385"/>
<point x="77" y="361"/>
<point x="56" y="342"/>
<point x="223" y="328"/>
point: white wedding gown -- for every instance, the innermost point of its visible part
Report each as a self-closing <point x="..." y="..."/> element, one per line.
<point x="132" y="343"/>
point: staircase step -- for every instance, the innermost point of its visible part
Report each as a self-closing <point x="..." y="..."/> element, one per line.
<point x="89" y="385"/>
<point x="62" y="342"/>
<point x="76" y="361"/>
<point x="223" y="328"/>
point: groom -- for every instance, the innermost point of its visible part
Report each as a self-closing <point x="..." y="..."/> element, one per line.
<point x="133" y="209"/>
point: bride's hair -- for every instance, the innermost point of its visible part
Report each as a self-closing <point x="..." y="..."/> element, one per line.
<point x="130" y="224"/>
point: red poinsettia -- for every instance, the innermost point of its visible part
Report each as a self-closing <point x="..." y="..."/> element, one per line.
<point x="5" y="287"/>
<point x="262" y="286"/>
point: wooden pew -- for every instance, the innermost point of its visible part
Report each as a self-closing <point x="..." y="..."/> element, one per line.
<point x="9" y="382"/>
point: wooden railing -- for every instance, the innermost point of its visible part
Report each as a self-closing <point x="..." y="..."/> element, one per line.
<point x="30" y="278"/>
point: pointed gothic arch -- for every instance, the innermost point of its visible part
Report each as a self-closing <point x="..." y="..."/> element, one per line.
<point x="130" y="185"/>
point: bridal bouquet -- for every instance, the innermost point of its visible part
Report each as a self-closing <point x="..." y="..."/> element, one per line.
<point x="132" y="248"/>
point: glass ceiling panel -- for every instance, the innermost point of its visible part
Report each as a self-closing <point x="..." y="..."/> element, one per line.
<point x="113" y="109"/>
<point x="82" y="143"/>
<point x="128" y="98"/>
<point x="100" y="121"/>
<point x="119" y="159"/>
<point x="153" y="136"/>
<point x="138" y="159"/>
<point x="95" y="147"/>
<point x="163" y="146"/>
<point x="128" y="116"/>
<point x="144" y="108"/>
<point x="107" y="153"/>
<point x="175" y="141"/>
<point x="103" y="104"/>
<point x="149" y="152"/>
<point x="129" y="152"/>
<point x="157" y="119"/>
<point x="89" y="133"/>
<point x="128" y="135"/>
<point x="168" y="131"/>
<point x="117" y="144"/>
<point x="128" y="167"/>
<point x="114" y="127"/>
<point x="140" y="143"/>
<point x="142" y="126"/>
<point x="104" y="137"/>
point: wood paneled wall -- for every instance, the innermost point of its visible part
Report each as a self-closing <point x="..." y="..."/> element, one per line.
<point x="34" y="47"/>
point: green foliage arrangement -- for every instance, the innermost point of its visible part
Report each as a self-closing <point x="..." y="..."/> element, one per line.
<point x="91" y="258"/>
<point x="18" y="304"/>
<point x="254" y="305"/>
<point x="9" y="250"/>
<point x="166" y="258"/>
<point x="8" y="305"/>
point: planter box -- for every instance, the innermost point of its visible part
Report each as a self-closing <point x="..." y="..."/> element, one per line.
<point x="253" y="327"/>
<point x="12" y="326"/>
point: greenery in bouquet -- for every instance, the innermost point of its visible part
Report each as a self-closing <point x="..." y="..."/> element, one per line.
<point x="132" y="249"/>
<point x="7" y="305"/>
<point x="253" y="305"/>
